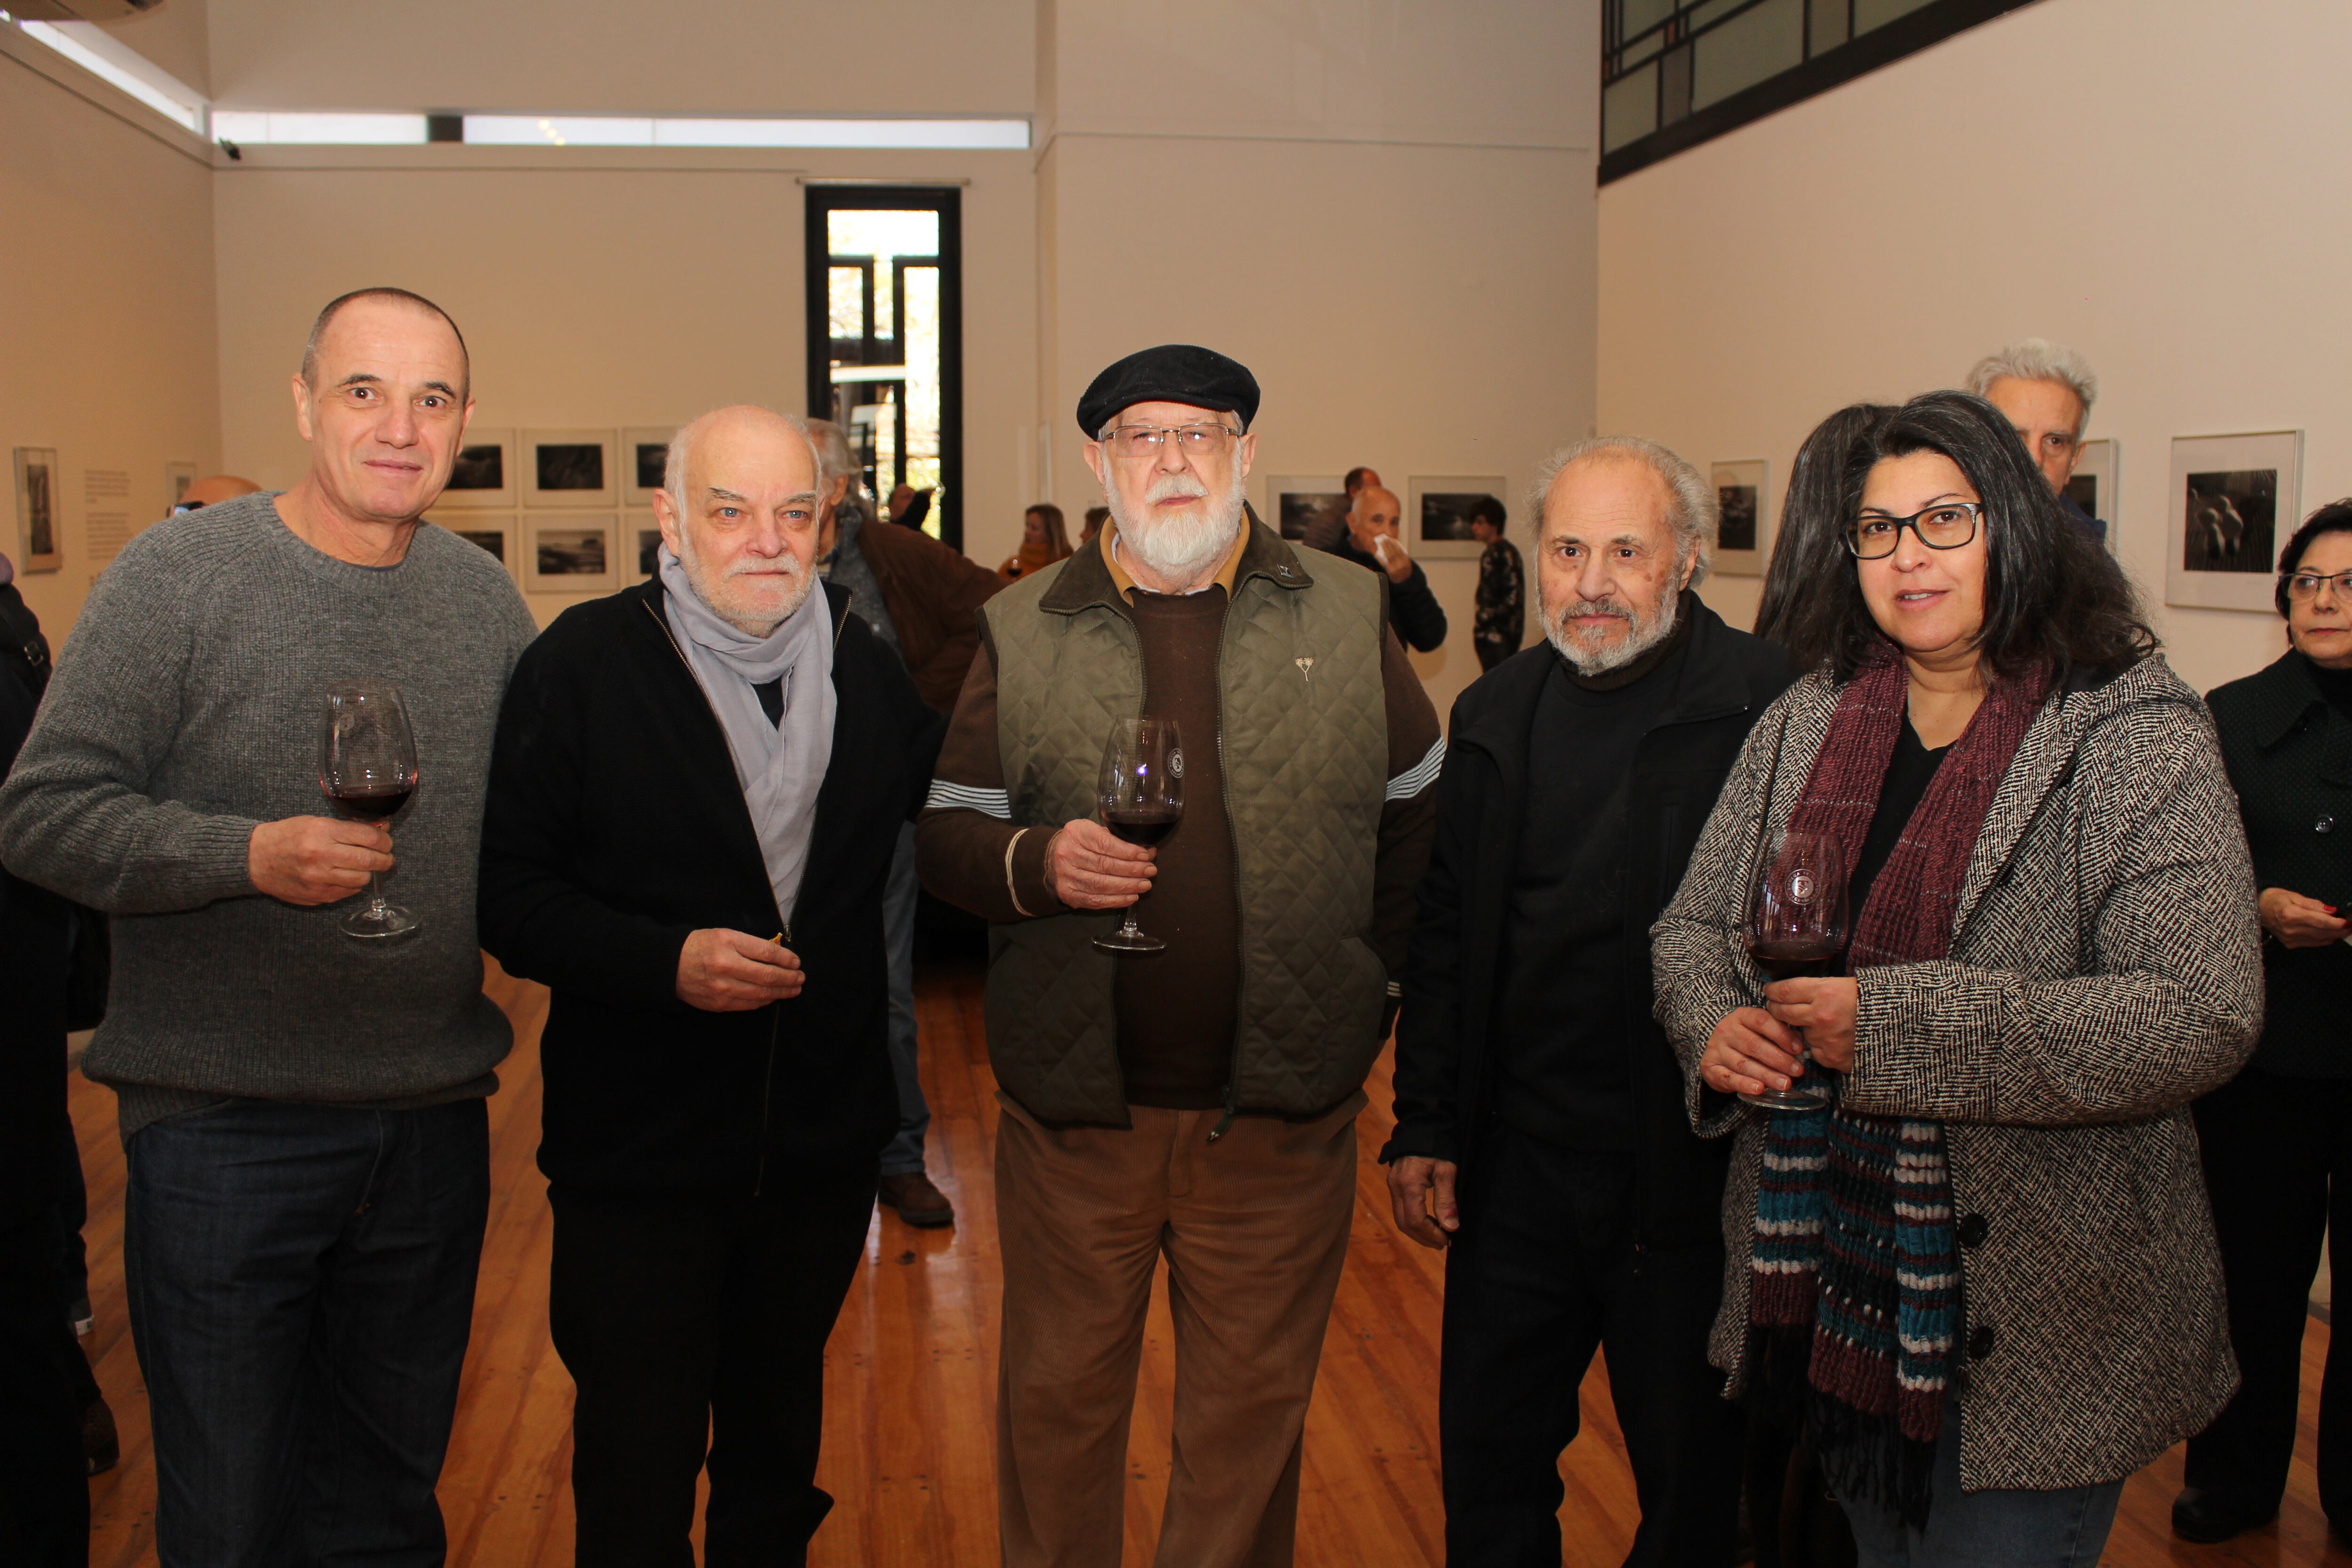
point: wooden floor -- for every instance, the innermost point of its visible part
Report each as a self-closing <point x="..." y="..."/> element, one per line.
<point x="907" y="1395"/>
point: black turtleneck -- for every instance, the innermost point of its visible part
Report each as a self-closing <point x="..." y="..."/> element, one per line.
<point x="1566" y="1077"/>
<point x="2335" y="685"/>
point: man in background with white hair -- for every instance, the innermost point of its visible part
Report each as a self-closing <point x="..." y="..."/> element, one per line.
<point x="1196" y="1103"/>
<point x="1541" y="1137"/>
<point x="2046" y="391"/>
<point x="694" y="798"/>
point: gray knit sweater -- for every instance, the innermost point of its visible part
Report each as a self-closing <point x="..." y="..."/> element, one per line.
<point x="185" y="711"/>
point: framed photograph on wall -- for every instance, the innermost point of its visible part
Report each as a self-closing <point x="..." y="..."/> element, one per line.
<point x="1307" y="507"/>
<point x="490" y="531"/>
<point x="570" y="467"/>
<point x="641" y="544"/>
<point x="644" y="454"/>
<point x="2235" y="498"/>
<point x="177" y="478"/>
<point x="1437" y="514"/>
<point x="484" y="474"/>
<point x="40" y="527"/>
<point x="569" y="554"/>
<point x="1741" y="535"/>
<point x="2093" y="486"/>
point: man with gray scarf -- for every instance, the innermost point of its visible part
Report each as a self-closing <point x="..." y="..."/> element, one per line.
<point x="694" y="801"/>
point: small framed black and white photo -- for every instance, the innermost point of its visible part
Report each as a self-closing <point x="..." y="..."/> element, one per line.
<point x="1742" y="533"/>
<point x="1437" y="514"/>
<point x="40" y="526"/>
<point x="177" y="478"/>
<point x="641" y="538"/>
<point x="1307" y="508"/>
<point x="487" y="532"/>
<point x="570" y="554"/>
<point x="483" y="477"/>
<point x="2235" y="499"/>
<point x="2093" y="486"/>
<point x="570" y="467"/>
<point x="645" y="455"/>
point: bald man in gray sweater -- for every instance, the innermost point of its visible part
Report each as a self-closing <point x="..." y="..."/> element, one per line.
<point x="302" y="1114"/>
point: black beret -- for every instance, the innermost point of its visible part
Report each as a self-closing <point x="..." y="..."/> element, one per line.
<point x="1172" y="373"/>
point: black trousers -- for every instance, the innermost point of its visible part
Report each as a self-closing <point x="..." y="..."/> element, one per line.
<point x="695" y="1328"/>
<point x="2278" y="1165"/>
<point x="44" y="1494"/>
<point x="1543" y="1272"/>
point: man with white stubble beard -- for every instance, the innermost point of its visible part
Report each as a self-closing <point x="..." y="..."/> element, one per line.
<point x="1196" y="1103"/>
<point x="694" y="801"/>
<point x="1541" y="1138"/>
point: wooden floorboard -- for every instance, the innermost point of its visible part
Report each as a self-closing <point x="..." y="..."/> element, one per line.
<point x="911" y="1372"/>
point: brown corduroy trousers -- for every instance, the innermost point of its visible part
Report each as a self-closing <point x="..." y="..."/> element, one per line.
<point x="1254" y="1228"/>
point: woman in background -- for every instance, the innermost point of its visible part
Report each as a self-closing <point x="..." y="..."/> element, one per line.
<point x="1985" y="1275"/>
<point x="2278" y="1138"/>
<point x="1043" y="541"/>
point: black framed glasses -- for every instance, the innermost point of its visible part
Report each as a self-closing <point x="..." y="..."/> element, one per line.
<point x="1947" y="525"/>
<point x="1193" y="440"/>
<point x="2304" y="585"/>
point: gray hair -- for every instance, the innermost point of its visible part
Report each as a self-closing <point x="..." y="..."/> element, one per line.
<point x="2039" y="359"/>
<point x="834" y="458"/>
<point x="674" y="465"/>
<point x="1692" y="515"/>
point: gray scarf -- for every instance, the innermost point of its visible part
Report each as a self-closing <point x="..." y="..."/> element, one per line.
<point x="781" y="766"/>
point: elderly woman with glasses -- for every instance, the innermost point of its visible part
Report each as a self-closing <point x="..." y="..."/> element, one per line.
<point x="2278" y="1138"/>
<point x="1984" y="1274"/>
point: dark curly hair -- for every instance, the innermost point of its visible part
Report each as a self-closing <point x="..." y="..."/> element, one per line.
<point x="2052" y="597"/>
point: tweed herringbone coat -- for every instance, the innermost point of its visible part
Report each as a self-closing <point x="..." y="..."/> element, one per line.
<point x="2106" y="970"/>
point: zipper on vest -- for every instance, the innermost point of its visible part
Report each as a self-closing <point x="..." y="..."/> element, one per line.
<point x="1240" y="909"/>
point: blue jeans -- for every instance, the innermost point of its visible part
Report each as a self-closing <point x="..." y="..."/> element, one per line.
<point x="301" y="1286"/>
<point x="904" y="1154"/>
<point x="2067" y="1529"/>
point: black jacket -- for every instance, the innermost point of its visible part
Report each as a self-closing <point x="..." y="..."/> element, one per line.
<point x="1454" y="979"/>
<point x="33" y="953"/>
<point x="1414" y="609"/>
<point x="2290" y="760"/>
<point x="615" y="827"/>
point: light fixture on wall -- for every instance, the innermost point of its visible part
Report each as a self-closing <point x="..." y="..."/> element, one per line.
<point x="250" y="127"/>
<point x="120" y="67"/>
<point x="631" y="131"/>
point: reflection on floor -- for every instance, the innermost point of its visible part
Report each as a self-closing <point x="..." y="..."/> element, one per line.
<point x="907" y="1439"/>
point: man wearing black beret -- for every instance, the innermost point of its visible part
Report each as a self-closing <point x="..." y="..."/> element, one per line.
<point x="1196" y="1103"/>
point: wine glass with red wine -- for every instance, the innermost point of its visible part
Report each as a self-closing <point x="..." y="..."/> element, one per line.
<point x="1142" y="799"/>
<point x="1799" y="928"/>
<point x="367" y="769"/>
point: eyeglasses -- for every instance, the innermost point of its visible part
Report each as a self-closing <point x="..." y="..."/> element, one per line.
<point x="1193" y="440"/>
<point x="2305" y="585"/>
<point x="1947" y="525"/>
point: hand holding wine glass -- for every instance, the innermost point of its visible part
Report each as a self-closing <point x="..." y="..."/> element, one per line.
<point x="1798" y="928"/>
<point x="367" y="768"/>
<point x="1142" y="800"/>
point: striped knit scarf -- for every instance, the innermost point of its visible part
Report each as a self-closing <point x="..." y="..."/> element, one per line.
<point x="1856" y="1280"/>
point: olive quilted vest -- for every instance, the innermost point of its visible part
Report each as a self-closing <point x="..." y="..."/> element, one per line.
<point x="1305" y="748"/>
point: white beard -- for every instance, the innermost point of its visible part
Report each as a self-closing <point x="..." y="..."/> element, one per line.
<point x="1179" y="548"/>
<point x="753" y="620"/>
<point x="1590" y="660"/>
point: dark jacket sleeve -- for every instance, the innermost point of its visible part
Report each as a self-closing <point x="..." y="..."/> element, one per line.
<point x="1427" y="1065"/>
<point x="1415" y="613"/>
<point x="934" y="595"/>
<point x="967" y="850"/>
<point x="534" y="921"/>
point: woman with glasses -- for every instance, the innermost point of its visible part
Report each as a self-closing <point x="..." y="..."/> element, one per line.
<point x="2278" y="1138"/>
<point x="1984" y="1275"/>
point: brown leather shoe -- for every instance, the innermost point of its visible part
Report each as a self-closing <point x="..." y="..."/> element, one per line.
<point x="101" y="1449"/>
<point x="918" y="1202"/>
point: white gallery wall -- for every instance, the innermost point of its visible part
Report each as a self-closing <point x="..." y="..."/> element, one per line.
<point x="2165" y="186"/>
<point x="107" y="322"/>
<point x="1383" y="208"/>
